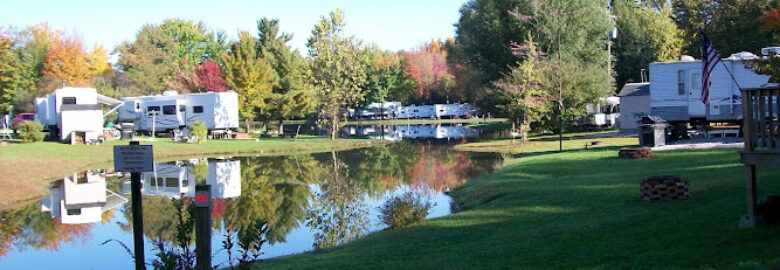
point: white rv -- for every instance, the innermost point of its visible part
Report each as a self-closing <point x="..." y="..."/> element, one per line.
<point x="74" y="112"/>
<point x="454" y="110"/>
<point x="170" y="111"/>
<point x="675" y="89"/>
<point x="604" y="113"/>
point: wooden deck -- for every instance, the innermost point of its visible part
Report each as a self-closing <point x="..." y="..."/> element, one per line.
<point x="760" y="108"/>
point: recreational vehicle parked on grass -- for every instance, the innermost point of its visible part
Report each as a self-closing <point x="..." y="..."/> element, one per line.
<point x="675" y="89"/>
<point x="171" y="111"/>
<point x="74" y="114"/>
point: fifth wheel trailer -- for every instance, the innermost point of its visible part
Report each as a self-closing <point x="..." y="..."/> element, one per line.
<point x="170" y="111"/>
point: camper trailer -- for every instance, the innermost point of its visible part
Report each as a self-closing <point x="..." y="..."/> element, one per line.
<point x="74" y="114"/>
<point x="675" y="89"/>
<point x="605" y="113"/>
<point x="454" y="110"/>
<point x="171" y="111"/>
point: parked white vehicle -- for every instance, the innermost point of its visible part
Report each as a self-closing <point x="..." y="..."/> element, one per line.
<point x="74" y="111"/>
<point x="81" y="199"/>
<point x="604" y="113"/>
<point x="396" y="110"/>
<point x="675" y="89"/>
<point x="170" y="111"/>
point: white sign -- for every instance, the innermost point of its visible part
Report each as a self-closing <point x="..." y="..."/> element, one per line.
<point x="133" y="158"/>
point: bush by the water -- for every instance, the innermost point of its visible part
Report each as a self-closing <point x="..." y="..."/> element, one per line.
<point x="198" y="129"/>
<point x="31" y="132"/>
<point x="404" y="209"/>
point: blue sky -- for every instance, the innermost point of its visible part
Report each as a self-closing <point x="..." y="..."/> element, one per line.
<point x="393" y="25"/>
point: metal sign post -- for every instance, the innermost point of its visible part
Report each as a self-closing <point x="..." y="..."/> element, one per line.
<point x="135" y="158"/>
<point x="203" y="227"/>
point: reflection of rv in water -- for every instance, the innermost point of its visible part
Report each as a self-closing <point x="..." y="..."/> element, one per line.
<point x="605" y="113"/>
<point x="177" y="179"/>
<point x="399" y="132"/>
<point x="394" y="110"/>
<point x="81" y="199"/>
<point x="169" y="111"/>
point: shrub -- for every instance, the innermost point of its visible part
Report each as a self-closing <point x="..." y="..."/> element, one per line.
<point x="404" y="209"/>
<point x="31" y="132"/>
<point x="198" y="129"/>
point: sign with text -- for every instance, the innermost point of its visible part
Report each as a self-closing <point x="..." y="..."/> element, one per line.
<point x="133" y="158"/>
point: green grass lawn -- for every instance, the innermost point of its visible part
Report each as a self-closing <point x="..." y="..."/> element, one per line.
<point x="578" y="209"/>
<point x="541" y="144"/>
<point x="26" y="169"/>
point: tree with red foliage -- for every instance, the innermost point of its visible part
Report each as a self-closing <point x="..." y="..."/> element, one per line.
<point x="427" y="65"/>
<point x="207" y="77"/>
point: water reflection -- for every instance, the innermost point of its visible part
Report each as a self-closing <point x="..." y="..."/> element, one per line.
<point x="178" y="178"/>
<point x="81" y="199"/>
<point x="401" y="132"/>
<point x="302" y="201"/>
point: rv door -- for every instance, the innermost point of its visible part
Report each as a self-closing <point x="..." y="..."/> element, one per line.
<point x="696" y="107"/>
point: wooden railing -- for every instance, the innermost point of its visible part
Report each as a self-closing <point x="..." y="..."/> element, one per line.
<point x="761" y="107"/>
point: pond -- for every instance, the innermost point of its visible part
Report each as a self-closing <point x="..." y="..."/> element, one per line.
<point x="299" y="202"/>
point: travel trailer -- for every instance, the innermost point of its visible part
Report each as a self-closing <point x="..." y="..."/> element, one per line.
<point x="74" y="114"/>
<point x="675" y="89"/>
<point x="171" y="111"/>
<point x="177" y="179"/>
<point x="605" y="113"/>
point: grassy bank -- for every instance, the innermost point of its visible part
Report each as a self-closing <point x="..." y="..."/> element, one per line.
<point x="547" y="144"/>
<point x="26" y="169"/>
<point x="425" y="121"/>
<point x="578" y="209"/>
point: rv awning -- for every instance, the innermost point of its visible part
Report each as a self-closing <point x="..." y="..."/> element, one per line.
<point x="107" y="100"/>
<point x="635" y="89"/>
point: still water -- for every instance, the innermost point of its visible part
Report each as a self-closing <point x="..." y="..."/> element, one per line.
<point x="301" y="202"/>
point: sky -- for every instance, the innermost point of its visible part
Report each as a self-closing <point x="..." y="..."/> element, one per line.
<point x="391" y="24"/>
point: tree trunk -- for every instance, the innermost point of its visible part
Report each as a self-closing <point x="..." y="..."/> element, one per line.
<point x="281" y="126"/>
<point x="248" y="125"/>
<point x="523" y="130"/>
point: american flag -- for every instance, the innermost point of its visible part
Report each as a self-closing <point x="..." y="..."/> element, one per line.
<point x="710" y="58"/>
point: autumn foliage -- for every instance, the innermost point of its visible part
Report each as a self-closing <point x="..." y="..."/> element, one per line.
<point x="67" y="60"/>
<point x="427" y="65"/>
<point x="207" y="77"/>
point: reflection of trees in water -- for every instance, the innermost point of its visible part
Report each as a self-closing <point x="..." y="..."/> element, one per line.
<point x="339" y="213"/>
<point x="424" y="165"/>
<point x="28" y="227"/>
<point x="275" y="191"/>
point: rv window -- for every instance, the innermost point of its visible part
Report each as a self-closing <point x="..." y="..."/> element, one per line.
<point x="696" y="80"/>
<point x="169" y="109"/>
<point x="137" y="106"/>
<point x="681" y="82"/>
<point x="197" y="109"/>
<point x="153" y="109"/>
<point x="181" y="108"/>
<point x="68" y="100"/>
<point x="74" y="212"/>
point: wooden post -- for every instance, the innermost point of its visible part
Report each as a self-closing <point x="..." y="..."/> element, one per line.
<point x="138" y="217"/>
<point x="203" y="227"/>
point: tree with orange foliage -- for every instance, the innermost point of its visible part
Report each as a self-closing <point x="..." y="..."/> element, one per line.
<point x="67" y="61"/>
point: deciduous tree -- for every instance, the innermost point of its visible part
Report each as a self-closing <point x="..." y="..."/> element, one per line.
<point x="250" y="76"/>
<point x="337" y="68"/>
<point x="647" y="34"/>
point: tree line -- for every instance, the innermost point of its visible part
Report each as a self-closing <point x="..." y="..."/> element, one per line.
<point x="537" y="62"/>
